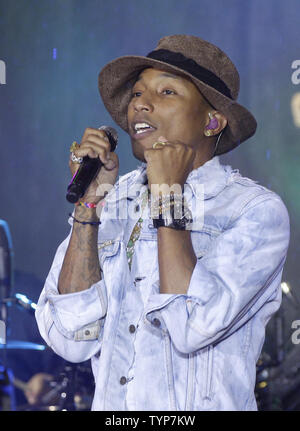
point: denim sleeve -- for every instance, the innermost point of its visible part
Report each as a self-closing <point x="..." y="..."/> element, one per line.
<point x="239" y="274"/>
<point x="71" y="324"/>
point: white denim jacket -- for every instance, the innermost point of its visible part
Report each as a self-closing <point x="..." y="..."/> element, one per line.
<point x="194" y="351"/>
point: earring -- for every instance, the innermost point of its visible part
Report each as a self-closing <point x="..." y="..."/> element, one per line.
<point x="213" y="123"/>
<point x="208" y="132"/>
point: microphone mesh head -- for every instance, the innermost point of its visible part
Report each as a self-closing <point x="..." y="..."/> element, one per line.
<point x="112" y="136"/>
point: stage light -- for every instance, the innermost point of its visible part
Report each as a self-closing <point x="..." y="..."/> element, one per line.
<point x="285" y="288"/>
<point x="24" y="301"/>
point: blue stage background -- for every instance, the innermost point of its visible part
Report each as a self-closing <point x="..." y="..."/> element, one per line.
<point x="52" y="51"/>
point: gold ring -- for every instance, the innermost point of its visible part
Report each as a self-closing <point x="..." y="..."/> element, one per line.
<point x="157" y="143"/>
<point x="74" y="147"/>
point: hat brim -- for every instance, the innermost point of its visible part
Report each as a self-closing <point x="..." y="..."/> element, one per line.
<point x="116" y="79"/>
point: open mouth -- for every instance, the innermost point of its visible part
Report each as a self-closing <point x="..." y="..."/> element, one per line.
<point x="142" y="129"/>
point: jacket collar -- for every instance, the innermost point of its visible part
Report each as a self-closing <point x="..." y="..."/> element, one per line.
<point x="212" y="175"/>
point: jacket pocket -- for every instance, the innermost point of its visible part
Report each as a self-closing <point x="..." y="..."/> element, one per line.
<point x="169" y="369"/>
<point x="107" y="249"/>
<point x="208" y="378"/>
<point x="205" y="378"/>
<point x="191" y="380"/>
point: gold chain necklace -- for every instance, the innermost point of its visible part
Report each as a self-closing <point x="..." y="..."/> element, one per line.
<point x="136" y="230"/>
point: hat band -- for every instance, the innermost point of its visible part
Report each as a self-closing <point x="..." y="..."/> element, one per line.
<point x="189" y="65"/>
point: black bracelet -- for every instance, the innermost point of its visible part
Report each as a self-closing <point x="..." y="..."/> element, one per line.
<point x="93" y="223"/>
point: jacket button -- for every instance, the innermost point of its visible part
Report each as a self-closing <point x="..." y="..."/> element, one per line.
<point x="131" y="329"/>
<point x="123" y="380"/>
<point x="156" y="322"/>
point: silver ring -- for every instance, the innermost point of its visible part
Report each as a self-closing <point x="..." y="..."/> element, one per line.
<point x="76" y="159"/>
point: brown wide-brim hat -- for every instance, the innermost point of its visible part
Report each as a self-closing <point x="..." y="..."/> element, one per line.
<point x="207" y="66"/>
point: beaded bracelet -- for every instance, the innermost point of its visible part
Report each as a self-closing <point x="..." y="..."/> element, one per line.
<point x="86" y="204"/>
<point x="93" y="223"/>
<point x="90" y="205"/>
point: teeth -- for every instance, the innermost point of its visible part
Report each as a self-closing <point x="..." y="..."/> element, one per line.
<point x="140" y="126"/>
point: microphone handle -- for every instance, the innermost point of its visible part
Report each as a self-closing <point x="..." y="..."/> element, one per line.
<point x="85" y="174"/>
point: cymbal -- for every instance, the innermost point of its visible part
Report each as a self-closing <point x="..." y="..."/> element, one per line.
<point x="22" y="345"/>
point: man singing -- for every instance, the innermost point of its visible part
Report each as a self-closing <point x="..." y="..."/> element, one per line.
<point x="171" y="309"/>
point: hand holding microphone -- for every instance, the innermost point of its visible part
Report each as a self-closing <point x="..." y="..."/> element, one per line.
<point x="100" y="164"/>
<point x="81" y="267"/>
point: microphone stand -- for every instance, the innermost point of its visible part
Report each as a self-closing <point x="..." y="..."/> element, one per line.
<point x="7" y="393"/>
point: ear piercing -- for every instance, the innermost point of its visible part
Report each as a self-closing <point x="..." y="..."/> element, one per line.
<point x="213" y="124"/>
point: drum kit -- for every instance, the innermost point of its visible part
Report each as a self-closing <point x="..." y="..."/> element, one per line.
<point x="71" y="389"/>
<point x="278" y="373"/>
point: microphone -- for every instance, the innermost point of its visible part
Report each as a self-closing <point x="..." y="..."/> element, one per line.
<point x="88" y="169"/>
